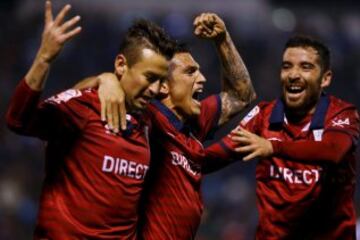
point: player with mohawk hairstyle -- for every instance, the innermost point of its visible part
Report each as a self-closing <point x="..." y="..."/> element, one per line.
<point x="94" y="177"/>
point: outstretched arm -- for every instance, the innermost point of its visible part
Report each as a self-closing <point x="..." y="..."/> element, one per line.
<point x="332" y="148"/>
<point x="56" y="33"/>
<point x="22" y="113"/>
<point x="237" y="90"/>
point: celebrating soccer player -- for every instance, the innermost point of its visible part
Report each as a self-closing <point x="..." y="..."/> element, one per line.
<point x="306" y="143"/>
<point x="94" y="177"/>
<point x="172" y="205"/>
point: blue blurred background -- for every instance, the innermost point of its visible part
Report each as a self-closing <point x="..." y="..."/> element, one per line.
<point x="259" y="29"/>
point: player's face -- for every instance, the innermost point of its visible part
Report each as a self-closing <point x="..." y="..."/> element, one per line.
<point x="141" y="81"/>
<point x="302" y="79"/>
<point x="186" y="82"/>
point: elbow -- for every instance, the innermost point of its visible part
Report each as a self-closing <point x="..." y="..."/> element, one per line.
<point x="250" y="97"/>
<point x="14" y="125"/>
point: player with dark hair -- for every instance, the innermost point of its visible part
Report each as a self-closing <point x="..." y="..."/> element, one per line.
<point x="172" y="203"/>
<point x="94" y="177"/>
<point x="306" y="172"/>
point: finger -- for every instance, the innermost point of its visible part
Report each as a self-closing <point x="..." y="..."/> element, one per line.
<point x="242" y="140"/>
<point x="109" y="118"/>
<point x="208" y="20"/>
<point x="244" y="149"/>
<point x="72" y="33"/>
<point x="48" y="12"/>
<point x="122" y="110"/>
<point x="250" y="156"/>
<point x="197" y="30"/>
<point x="115" y="114"/>
<point x="70" y="23"/>
<point x="245" y="132"/>
<point x="196" y="21"/>
<point x="60" y="17"/>
<point x="103" y="109"/>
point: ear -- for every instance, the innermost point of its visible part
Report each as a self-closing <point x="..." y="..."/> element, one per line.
<point x="326" y="79"/>
<point x="164" y="89"/>
<point x="120" y="65"/>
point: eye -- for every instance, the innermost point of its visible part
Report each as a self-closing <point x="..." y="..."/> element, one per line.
<point x="285" y="65"/>
<point x="190" y="71"/>
<point x="150" y="77"/>
<point x="307" y="66"/>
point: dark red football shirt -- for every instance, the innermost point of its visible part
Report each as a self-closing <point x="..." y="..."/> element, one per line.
<point x="309" y="198"/>
<point x="172" y="202"/>
<point x="93" y="177"/>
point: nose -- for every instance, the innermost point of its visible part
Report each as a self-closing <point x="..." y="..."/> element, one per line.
<point x="294" y="74"/>
<point x="154" y="88"/>
<point x="201" y="78"/>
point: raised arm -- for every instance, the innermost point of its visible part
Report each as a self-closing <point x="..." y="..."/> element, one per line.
<point x="56" y="33"/>
<point x="24" y="102"/>
<point x="237" y="90"/>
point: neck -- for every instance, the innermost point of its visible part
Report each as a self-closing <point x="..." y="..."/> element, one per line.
<point x="168" y="103"/>
<point x="297" y="115"/>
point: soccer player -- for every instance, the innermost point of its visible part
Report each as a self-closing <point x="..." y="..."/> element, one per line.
<point x="306" y="142"/>
<point x="172" y="203"/>
<point x="94" y="177"/>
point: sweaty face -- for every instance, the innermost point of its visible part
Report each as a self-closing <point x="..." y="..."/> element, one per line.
<point x="141" y="81"/>
<point x="302" y="79"/>
<point x="185" y="82"/>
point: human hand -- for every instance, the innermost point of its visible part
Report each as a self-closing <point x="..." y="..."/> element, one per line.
<point x="56" y="32"/>
<point x="209" y="26"/>
<point x="112" y="99"/>
<point x="251" y="144"/>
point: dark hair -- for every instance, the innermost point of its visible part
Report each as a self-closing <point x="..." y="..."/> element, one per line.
<point x="181" y="47"/>
<point x="146" y="34"/>
<point x="306" y="41"/>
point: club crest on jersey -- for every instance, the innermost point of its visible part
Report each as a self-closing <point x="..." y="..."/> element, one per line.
<point x="64" y="96"/>
<point x="340" y="122"/>
<point x="318" y="134"/>
<point x="250" y="115"/>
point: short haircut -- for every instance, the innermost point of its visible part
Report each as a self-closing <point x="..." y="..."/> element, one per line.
<point x="146" y="34"/>
<point x="181" y="48"/>
<point x="306" y="41"/>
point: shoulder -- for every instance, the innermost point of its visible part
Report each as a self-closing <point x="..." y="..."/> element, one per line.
<point x="77" y="99"/>
<point x="262" y="109"/>
<point x="338" y="106"/>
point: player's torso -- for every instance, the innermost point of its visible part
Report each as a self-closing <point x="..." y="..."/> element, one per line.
<point x="174" y="195"/>
<point x="94" y="180"/>
<point x="290" y="193"/>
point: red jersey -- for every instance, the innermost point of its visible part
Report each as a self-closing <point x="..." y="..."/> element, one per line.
<point x="310" y="199"/>
<point x="93" y="177"/>
<point x="172" y="202"/>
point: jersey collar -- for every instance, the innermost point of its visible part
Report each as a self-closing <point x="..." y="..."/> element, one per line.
<point x="173" y="119"/>
<point x="317" y="122"/>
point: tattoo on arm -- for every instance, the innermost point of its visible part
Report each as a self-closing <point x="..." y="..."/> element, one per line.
<point x="237" y="90"/>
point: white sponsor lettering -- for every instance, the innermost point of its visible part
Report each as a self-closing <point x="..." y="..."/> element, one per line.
<point x="64" y="96"/>
<point x="180" y="160"/>
<point x="124" y="167"/>
<point x="295" y="176"/>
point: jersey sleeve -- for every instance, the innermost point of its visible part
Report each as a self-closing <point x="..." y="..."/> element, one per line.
<point x="222" y="153"/>
<point x="341" y="132"/>
<point x="209" y="116"/>
<point x="58" y="115"/>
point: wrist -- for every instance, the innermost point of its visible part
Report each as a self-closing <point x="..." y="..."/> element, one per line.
<point x="222" y="38"/>
<point x="276" y="147"/>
